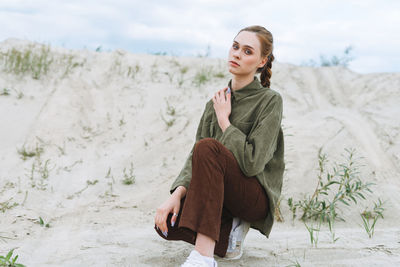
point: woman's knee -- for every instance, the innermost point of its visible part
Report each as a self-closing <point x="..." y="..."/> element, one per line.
<point x="207" y="145"/>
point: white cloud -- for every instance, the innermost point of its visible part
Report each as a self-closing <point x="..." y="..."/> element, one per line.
<point x="301" y="29"/>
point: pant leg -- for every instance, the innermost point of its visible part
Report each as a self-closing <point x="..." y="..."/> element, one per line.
<point x="185" y="234"/>
<point x="218" y="191"/>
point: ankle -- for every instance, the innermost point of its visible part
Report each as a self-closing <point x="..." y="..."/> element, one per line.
<point x="205" y="253"/>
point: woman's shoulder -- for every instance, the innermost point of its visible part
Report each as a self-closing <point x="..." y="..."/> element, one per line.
<point x="271" y="94"/>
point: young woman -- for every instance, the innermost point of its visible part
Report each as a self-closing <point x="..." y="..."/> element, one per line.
<point x="232" y="178"/>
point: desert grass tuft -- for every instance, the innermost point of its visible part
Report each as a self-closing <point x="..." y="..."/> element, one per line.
<point x="111" y="181"/>
<point x="294" y="263"/>
<point x="41" y="222"/>
<point x="171" y="111"/>
<point x="6" y="205"/>
<point x="28" y="153"/>
<point x="5" y="91"/>
<point x="314" y="231"/>
<point x="129" y="178"/>
<point x="28" y="61"/>
<point x="202" y="76"/>
<point x="373" y="215"/>
<point x="9" y="261"/>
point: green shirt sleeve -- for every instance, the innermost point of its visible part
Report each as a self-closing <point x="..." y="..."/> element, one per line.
<point x="253" y="152"/>
<point x="185" y="175"/>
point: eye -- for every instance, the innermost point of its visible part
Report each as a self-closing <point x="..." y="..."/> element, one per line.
<point x="248" y="51"/>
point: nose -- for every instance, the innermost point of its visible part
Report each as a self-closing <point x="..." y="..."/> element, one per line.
<point x="236" y="53"/>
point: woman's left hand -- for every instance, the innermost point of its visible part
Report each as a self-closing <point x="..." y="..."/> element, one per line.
<point x="222" y="107"/>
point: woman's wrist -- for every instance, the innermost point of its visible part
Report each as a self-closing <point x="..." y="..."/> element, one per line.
<point x="180" y="191"/>
<point x="224" y="124"/>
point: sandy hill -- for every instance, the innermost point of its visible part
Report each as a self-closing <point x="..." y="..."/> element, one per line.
<point x="78" y="126"/>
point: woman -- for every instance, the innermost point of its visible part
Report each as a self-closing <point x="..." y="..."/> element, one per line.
<point x="232" y="178"/>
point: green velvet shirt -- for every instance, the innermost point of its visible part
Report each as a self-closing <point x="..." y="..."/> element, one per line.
<point x="254" y="137"/>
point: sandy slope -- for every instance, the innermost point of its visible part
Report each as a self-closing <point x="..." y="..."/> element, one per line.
<point x="99" y="118"/>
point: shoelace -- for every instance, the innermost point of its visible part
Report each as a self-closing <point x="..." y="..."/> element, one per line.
<point x="233" y="239"/>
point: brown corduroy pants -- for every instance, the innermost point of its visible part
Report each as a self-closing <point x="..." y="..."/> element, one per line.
<point x="218" y="191"/>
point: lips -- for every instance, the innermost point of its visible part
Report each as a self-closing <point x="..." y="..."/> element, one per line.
<point x="234" y="63"/>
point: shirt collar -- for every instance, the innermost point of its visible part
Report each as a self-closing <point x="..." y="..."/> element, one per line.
<point x="247" y="90"/>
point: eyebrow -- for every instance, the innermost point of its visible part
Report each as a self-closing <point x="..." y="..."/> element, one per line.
<point x="245" y="45"/>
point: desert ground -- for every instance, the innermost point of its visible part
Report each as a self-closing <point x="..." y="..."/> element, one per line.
<point x="91" y="142"/>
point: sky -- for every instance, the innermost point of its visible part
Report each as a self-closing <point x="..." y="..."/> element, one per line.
<point x="302" y="30"/>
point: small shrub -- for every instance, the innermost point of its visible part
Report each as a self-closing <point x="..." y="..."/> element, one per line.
<point x="343" y="185"/>
<point x="340" y="186"/>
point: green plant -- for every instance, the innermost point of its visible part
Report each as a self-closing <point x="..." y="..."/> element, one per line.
<point x="334" y="61"/>
<point x="154" y="72"/>
<point x="314" y="232"/>
<point x="29" y="60"/>
<point x="202" y="76"/>
<point x="343" y="185"/>
<point x="374" y="215"/>
<point x="182" y="71"/>
<point x="9" y="261"/>
<point x="132" y="71"/>
<point x="294" y="264"/>
<point x="292" y="207"/>
<point x="69" y="65"/>
<point x="121" y="121"/>
<point x="109" y="192"/>
<point x="41" y="222"/>
<point x="340" y="186"/>
<point x="129" y="178"/>
<point x="6" y="205"/>
<point x="5" y="92"/>
<point x="219" y="74"/>
<point x="88" y="183"/>
<point x="30" y="153"/>
<point x="171" y="111"/>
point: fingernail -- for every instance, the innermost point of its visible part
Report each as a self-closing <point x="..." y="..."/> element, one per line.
<point x="173" y="223"/>
<point x="165" y="234"/>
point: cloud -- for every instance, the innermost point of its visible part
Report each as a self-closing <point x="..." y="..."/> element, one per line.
<point x="301" y="29"/>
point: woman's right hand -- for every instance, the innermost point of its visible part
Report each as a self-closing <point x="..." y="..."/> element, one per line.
<point x="171" y="205"/>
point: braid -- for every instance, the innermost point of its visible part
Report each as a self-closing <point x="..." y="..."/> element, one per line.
<point x="266" y="72"/>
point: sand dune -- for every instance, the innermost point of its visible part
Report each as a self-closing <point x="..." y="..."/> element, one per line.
<point x="93" y="114"/>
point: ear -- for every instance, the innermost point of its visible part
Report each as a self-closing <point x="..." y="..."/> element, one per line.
<point x="263" y="62"/>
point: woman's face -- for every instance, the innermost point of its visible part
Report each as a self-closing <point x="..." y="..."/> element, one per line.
<point x="246" y="52"/>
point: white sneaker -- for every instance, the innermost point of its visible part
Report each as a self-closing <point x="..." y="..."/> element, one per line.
<point x="196" y="259"/>
<point x="236" y="241"/>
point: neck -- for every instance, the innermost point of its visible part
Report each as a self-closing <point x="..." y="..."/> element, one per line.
<point x="241" y="81"/>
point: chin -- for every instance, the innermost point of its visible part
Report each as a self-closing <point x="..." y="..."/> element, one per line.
<point x="233" y="70"/>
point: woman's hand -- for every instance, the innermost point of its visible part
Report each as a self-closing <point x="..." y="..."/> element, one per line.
<point x="222" y="107"/>
<point x="171" y="205"/>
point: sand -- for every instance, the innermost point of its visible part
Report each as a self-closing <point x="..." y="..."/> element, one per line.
<point x="109" y="112"/>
